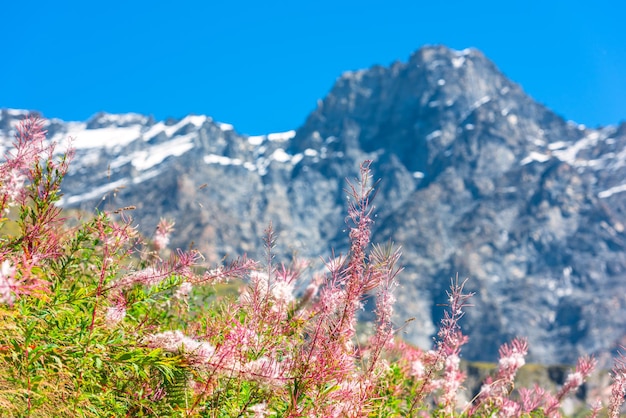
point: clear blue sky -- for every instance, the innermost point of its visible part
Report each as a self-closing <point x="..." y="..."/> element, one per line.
<point x="261" y="65"/>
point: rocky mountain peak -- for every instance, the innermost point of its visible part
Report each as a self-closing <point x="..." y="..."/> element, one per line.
<point x="425" y="110"/>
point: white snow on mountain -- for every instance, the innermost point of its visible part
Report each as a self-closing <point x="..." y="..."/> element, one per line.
<point x="570" y="153"/>
<point x="274" y="137"/>
<point x="119" y="140"/>
<point x="116" y="141"/>
<point x="535" y="156"/>
<point x="281" y="136"/>
<point x="101" y="191"/>
<point x="610" y="192"/>
<point x="110" y="137"/>
<point x="145" y="159"/>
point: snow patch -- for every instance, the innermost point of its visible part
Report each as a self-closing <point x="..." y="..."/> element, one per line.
<point x="156" y="129"/>
<point x="143" y="160"/>
<point x="120" y="119"/>
<point x="433" y="135"/>
<point x="225" y="126"/>
<point x="100" y="192"/>
<point x="16" y="113"/>
<point x="256" y="140"/>
<point x="249" y="166"/>
<point x="557" y="145"/>
<point x="613" y="190"/>
<point x="457" y="62"/>
<point x="197" y="121"/>
<point x="296" y="158"/>
<point x="221" y="160"/>
<point x="280" y="155"/>
<point x="281" y="136"/>
<point x="570" y="153"/>
<point x="535" y="156"/>
<point x="109" y="137"/>
<point x="478" y="103"/>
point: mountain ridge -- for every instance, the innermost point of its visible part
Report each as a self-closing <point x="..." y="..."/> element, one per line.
<point x="476" y="178"/>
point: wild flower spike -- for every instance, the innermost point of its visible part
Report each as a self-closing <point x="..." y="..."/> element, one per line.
<point x="574" y="380"/>
<point x="161" y="238"/>
<point x="115" y="314"/>
<point x="618" y="388"/>
<point x="183" y="291"/>
<point x="512" y="357"/>
<point x="13" y="172"/>
<point x="200" y="352"/>
<point x="531" y="399"/>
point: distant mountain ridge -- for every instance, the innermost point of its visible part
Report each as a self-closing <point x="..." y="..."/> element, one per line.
<point x="477" y="178"/>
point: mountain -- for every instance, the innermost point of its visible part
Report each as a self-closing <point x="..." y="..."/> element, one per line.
<point x="476" y="179"/>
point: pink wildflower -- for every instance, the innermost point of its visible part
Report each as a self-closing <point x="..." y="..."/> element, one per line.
<point x="531" y="399"/>
<point x="267" y="369"/>
<point x="199" y="352"/>
<point x="12" y="185"/>
<point x="495" y="391"/>
<point x="161" y="238"/>
<point x="596" y="407"/>
<point x="115" y="314"/>
<point x="618" y="388"/>
<point x="574" y="380"/>
<point x="260" y="410"/>
<point x="509" y="409"/>
<point x="15" y="170"/>
<point x="183" y="291"/>
<point x="512" y="358"/>
<point x="7" y="283"/>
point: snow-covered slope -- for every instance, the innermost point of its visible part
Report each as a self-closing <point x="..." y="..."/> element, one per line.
<point x="120" y="150"/>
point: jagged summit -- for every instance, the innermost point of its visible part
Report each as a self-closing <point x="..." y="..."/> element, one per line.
<point x="477" y="179"/>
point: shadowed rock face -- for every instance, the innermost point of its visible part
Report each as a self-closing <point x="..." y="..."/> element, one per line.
<point x="476" y="179"/>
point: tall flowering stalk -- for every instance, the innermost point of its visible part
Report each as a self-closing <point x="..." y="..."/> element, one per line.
<point x="495" y="392"/>
<point x="618" y="387"/>
<point x="574" y="380"/>
<point x="30" y="179"/>
<point x="338" y="377"/>
<point x="20" y="165"/>
<point x="438" y="370"/>
<point x="383" y="269"/>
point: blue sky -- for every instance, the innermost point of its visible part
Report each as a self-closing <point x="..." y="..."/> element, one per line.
<point x="262" y="65"/>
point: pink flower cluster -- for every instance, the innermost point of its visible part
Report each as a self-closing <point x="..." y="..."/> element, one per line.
<point x="198" y="352"/>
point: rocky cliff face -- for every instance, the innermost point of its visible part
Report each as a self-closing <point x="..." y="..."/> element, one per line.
<point x="477" y="179"/>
